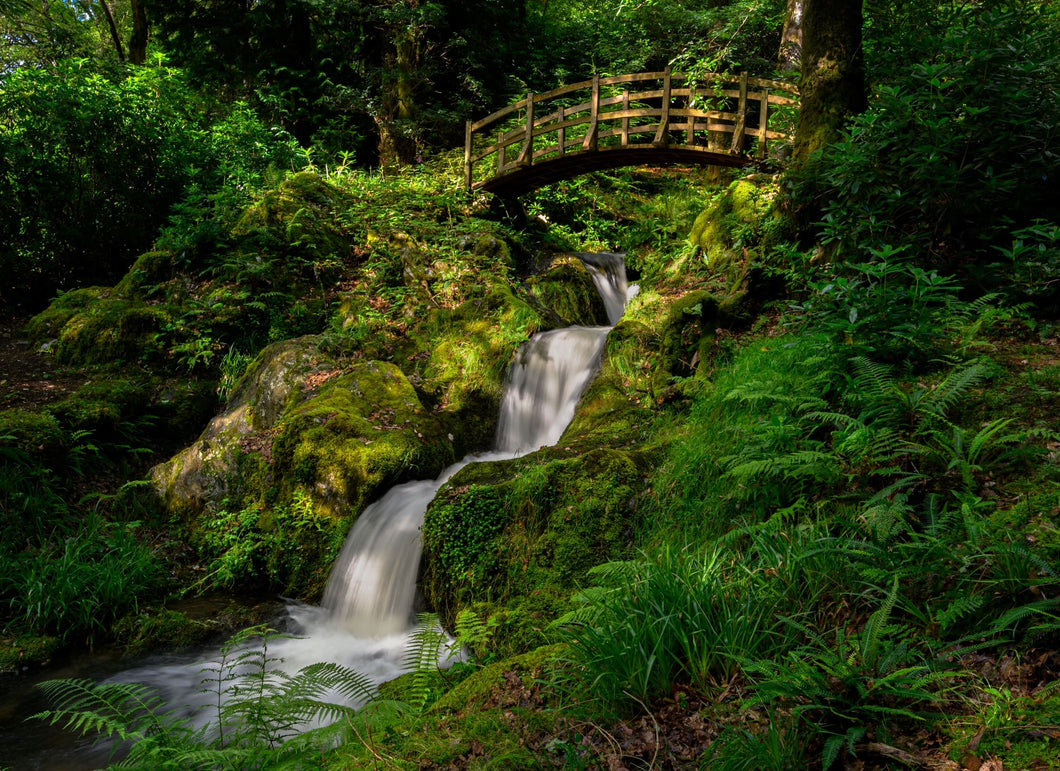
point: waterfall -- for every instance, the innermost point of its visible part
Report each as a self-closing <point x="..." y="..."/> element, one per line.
<point x="608" y="270"/>
<point x="366" y="617"/>
<point x="372" y="586"/>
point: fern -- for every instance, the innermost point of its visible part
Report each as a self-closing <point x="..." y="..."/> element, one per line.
<point x="957" y="609"/>
<point x="421" y="658"/>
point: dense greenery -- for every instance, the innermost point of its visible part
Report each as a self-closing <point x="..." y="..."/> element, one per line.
<point x="805" y="516"/>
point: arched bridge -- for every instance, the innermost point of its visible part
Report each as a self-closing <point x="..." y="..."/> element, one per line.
<point x="627" y="120"/>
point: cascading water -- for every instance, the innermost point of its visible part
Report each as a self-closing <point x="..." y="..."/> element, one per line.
<point x="366" y="617"/>
<point x="372" y="587"/>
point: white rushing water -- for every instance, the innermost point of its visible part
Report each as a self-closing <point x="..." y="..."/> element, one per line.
<point x="367" y="614"/>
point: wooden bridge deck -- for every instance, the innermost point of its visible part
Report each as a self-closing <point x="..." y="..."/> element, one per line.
<point x="601" y="123"/>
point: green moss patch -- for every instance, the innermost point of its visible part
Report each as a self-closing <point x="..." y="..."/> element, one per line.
<point x="523" y="545"/>
<point x="26" y="651"/>
<point x="566" y="290"/>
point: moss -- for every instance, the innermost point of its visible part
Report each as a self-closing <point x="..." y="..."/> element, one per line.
<point x="36" y="434"/>
<point x="362" y="431"/>
<point x="739" y="225"/>
<point x="111" y="330"/>
<point x="469" y="351"/>
<point x="158" y="629"/>
<point x="486" y="686"/>
<point x="102" y="405"/>
<point x="47" y="325"/>
<point x="17" y="654"/>
<point x="300" y="220"/>
<point x="150" y="270"/>
<point x="523" y="545"/>
<point x="686" y="332"/>
<point x="566" y="289"/>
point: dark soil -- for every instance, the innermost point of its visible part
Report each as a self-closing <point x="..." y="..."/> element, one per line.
<point x="30" y="378"/>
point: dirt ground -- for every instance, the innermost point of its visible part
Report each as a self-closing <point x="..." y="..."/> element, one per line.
<point x="30" y="378"/>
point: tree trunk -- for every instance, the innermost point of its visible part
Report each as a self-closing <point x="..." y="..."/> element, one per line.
<point x="138" y="38"/>
<point x="397" y="141"/>
<point x="791" y="38"/>
<point x="833" y="72"/>
<point x="113" y="30"/>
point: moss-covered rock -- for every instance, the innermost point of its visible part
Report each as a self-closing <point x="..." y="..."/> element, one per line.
<point x="566" y="290"/>
<point x="111" y="329"/>
<point x="274" y="482"/>
<point x="236" y="447"/>
<point x="160" y="629"/>
<point x="301" y="221"/>
<point x="357" y="434"/>
<point x="46" y="326"/>
<point x="151" y="270"/>
<point x="36" y="434"/>
<point x="500" y="681"/>
<point x="516" y="549"/>
<point x="468" y="351"/>
<point x="19" y="653"/>
<point x="738" y="226"/>
<point x="101" y="406"/>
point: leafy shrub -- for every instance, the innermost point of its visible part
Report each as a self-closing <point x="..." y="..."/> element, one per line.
<point x="92" y="164"/>
<point x="955" y="151"/>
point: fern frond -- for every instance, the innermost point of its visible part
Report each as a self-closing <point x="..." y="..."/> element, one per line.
<point x="875" y="627"/>
<point x="958" y="608"/>
<point x="954" y="387"/>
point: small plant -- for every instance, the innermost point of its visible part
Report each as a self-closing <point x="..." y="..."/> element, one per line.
<point x="854" y="684"/>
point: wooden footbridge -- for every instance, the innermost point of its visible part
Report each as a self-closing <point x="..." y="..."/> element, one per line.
<point x="627" y="120"/>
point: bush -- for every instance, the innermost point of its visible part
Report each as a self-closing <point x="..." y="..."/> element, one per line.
<point x="955" y="151"/>
<point x="91" y="166"/>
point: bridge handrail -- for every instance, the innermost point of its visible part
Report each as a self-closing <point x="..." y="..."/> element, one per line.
<point x="736" y="92"/>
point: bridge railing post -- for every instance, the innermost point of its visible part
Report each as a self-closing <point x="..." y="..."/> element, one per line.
<point x="741" y="118"/>
<point x="763" y="125"/>
<point x="625" y="120"/>
<point x="526" y="156"/>
<point x="468" y="136"/>
<point x="593" y="134"/>
<point x="662" y="135"/>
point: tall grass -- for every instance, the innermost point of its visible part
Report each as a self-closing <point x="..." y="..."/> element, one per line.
<point x="74" y="588"/>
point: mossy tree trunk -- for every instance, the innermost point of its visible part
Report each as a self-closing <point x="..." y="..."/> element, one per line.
<point x="404" y="33"/>
<point x="791" y="38"/>
<point x="833" y="71"/>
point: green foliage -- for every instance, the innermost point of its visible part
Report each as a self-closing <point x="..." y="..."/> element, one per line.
<point x="75" y="588"/>
<point x="92" y="165"/>
<point x="614" y="37"/>
<point x="461" y="530"/>
<point x="282" y="545"/>
<point x="853" y="683"/>
<point x="780" y="745"/>
<point x="682" y="616"/>
<point x="939" y="137"/>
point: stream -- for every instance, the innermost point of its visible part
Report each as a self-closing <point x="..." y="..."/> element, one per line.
<point x="367" y="616"/>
